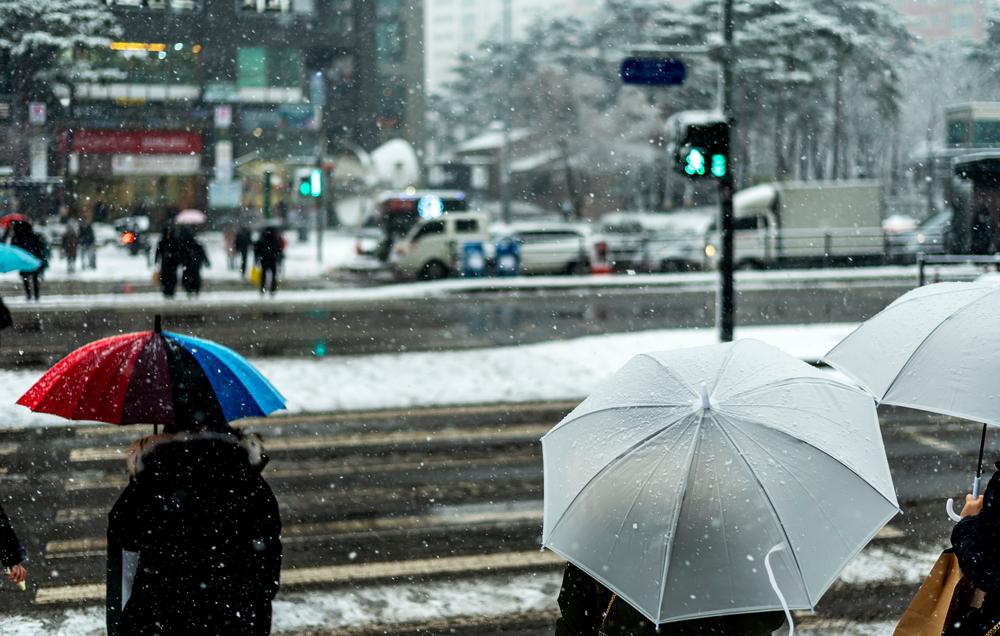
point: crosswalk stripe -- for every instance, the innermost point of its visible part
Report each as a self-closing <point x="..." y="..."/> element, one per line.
<point x="933" y="442"/>
<point x="84" y="482"/>
<point x="355" y="440"/>
<point x="64" y="548"/>
<point x="334" y="574"/>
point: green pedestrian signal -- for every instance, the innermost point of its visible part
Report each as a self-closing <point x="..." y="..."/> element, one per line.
<point x="719" y="165"/>
<point x="694" y="163"/>
<point x="304" y="188"/>
<point x="316" y="183"/>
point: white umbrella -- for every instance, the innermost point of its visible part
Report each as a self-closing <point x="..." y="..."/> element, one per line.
<point x="936" y="348"/>
<point x="190" y="217"/>
<point x="675" y="480"/>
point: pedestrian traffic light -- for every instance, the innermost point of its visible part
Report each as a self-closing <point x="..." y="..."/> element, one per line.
<point x="702" y="149"/>
<point x="311" y="183"/>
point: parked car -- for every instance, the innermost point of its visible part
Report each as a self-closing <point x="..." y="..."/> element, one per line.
<point x="626" y="234"/>
<point x="432" y="247"/>
<point x="559" y="248"/>
<point x="930" y="237"/>
<point x="677" y="244"/>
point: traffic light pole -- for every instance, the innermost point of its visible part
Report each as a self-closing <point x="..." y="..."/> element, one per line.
<point x="725" y="306"/>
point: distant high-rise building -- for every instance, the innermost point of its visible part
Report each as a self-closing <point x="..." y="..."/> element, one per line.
<point x="455" y="27"/>
<point x="934" y="20"/>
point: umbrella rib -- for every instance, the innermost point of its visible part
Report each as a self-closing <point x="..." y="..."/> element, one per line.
<point x="675" y="518"/>
<point x="797" y="381"/>
<point x="566" y="422"/>
<point x="763" y="423"/>
<point x="770" y="503"/>
<point x="673" y="375"/>
<point x="816" y="448"/>
<point x="927" y="338"/>
<point x="642" y="442"/>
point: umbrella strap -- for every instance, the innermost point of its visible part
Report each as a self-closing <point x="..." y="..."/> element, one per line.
<point x="777" y="591"/>
<point x="607" y="612"/>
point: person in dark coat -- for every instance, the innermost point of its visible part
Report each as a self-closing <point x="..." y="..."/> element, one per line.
<point x="588" y="609"/>
<point x="26" y="238"/>
<point x="206" y="528"/>
<point x="268" y="251"/>
<point x="168" y="256"/>
<point x="12" y="555"/>
<point x="976" y="541"/>
<point x="193" y="258"/>
<point x="88" y="246"/>
<point x="242" y="243"/>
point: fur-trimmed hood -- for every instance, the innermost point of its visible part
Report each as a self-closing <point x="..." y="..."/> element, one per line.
<point x="142" y="448"/>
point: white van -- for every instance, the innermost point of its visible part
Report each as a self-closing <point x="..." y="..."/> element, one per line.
<point x="432" y="248"/>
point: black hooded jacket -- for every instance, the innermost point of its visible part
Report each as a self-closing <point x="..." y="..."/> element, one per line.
<point x="11" y="552"/>
<point x="206" y="527"/>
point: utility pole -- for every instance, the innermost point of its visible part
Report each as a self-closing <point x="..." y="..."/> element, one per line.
<point x="726" y="298"/>
<point x="508" y="41"/>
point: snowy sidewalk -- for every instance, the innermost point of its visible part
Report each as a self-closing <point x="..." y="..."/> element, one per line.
<point x="563" y="370"/>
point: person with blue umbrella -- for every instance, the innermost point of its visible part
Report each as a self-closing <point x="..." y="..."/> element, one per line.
<point x="194" y="540"/>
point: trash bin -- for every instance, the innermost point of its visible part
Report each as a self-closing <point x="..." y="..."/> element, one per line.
<point x="473" y="260"/>
<point x="508" y="257"/>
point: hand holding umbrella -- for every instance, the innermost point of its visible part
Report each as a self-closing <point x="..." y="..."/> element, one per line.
<point x="18" y="575"/>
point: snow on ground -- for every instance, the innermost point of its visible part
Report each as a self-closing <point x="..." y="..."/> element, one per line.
<point x="562" y="370"/>
<point x="115" y="264"/>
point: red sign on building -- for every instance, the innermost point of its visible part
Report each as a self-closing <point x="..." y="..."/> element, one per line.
<point x="136" y="142"/>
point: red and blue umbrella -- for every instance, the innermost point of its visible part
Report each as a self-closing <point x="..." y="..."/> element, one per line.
<point x="154" y="377"/>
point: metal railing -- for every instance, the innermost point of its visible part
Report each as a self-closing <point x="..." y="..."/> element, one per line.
<point x="952" y="259"/>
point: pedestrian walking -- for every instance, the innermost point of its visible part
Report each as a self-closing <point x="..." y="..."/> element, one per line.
<point x="32" y="242"/>
<point x="269" y="251"/>
<point x="193" y="258"/>
<point x="587" y="608"/>
<point x="203" y="526"/>
<point x="12" y="555"/>
<point x="167" y="256"/>
<point x="88" y="246"/>
<point x="976" y="542"/>
<point x="242" y="243"/>
<point x="70" y="243"/>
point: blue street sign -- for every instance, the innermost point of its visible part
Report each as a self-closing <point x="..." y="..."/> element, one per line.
<point x="653" y="71"/>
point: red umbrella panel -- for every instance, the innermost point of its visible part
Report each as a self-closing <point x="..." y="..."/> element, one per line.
<point x="153" y="377"/>
<point x="14" y="217"/>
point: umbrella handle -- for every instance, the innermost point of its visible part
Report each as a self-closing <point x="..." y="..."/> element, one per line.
<point x="949" y="507"/>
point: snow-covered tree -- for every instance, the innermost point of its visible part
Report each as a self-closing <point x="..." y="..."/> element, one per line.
<point x="43" y="42"/>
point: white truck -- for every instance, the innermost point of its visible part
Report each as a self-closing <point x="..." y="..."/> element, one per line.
<point x="803" y="223"/>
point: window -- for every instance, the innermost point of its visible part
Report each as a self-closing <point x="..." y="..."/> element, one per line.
<point x="434" y="227"/>
<point x="746" y="222"/>
<point x="466" y="225"/>
<point x="258" y="67"/>
<point x="251" y="67"/>
<point x="958" y="132"/>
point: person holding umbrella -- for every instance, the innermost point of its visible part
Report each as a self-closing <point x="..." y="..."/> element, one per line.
<point x="12" y="555"/>
<point x="194" y="540"/>
<point x="32" y="242"/>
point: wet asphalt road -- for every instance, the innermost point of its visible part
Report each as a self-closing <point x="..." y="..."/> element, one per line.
<point x="398" y="497"/>
<point x="454" y="320"/>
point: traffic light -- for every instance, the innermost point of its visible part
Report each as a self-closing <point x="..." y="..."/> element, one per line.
<point x="702" y="149"/>
<point x="311" y="184"/>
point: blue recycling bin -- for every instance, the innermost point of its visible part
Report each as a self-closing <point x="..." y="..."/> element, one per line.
<point x="473" y="260"/>
<point x="508" y="257"/>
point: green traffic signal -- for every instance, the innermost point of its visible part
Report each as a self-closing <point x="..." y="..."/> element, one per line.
<point x="719" y="165"/>
<point x="304" y="187"/>
<point x="694" y="162"/>
<point x="316" y="183"/>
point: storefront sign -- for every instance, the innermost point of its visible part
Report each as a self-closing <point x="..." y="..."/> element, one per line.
<point x="225" y="194"/>
<point x="137" y="142"/>
<point x="155" y="164"/>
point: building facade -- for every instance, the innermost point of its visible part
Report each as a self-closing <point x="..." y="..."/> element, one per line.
<point x="935" y="20"/>
<point x="219" y="103"/>
<point x="453" y="28"/>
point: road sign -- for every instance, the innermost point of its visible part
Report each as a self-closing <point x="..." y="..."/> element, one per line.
<point x="36" y="113"/>
<point x="652" y="71"/>
<point x="223" y="116"/>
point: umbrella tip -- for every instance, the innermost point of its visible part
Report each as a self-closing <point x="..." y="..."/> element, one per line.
<point x="157" y="324"/>
<point x="705" y="402"/>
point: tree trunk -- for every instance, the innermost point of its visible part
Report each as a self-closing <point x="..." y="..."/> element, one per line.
<point x="838" y="113"/>
<point x="780" y="146"/>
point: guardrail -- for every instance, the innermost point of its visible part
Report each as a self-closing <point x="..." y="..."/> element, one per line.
<point x="952" y="259"/>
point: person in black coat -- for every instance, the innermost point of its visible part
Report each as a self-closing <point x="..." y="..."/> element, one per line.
<point x="589" y="609"/>
<point x="205" y="527"/>
<point x="242" y="243"/>
<point x="12" y="555"/>
<point x="23" y="236"/>
<point x="976" y="541"/>
<point x="268" y="252"/>
<point x="193" y="258"/>
<point x="168" y="256"/>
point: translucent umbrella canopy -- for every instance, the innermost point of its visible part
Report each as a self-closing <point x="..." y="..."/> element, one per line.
<point x="672" y="482"/>
<point x="936" y="348"/>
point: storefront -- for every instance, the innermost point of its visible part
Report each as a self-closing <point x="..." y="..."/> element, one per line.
<point x="137" y="171"/>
